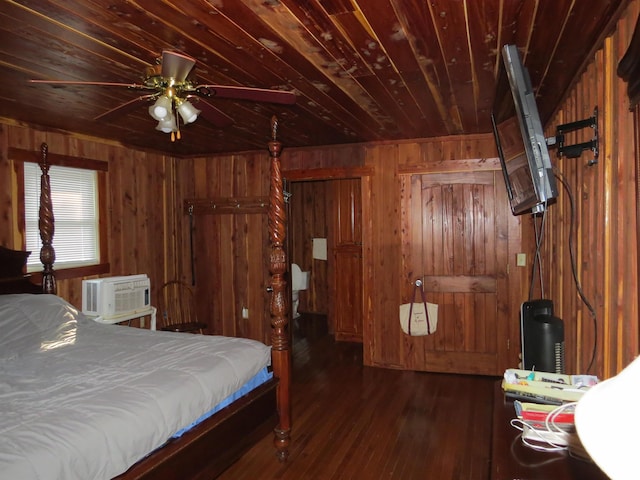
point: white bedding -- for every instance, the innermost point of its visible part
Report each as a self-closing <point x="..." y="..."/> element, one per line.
<point x="81" y="400"/>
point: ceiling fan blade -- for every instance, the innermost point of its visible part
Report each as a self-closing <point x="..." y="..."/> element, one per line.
<point x="124" y="108"/>
<point x="210" y="113"/>
<point x="247" y="93"/>
<point x="176" y="65"/>
<point x="134" y="86"/>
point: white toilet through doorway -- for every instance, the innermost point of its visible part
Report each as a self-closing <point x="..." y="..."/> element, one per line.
<point x="299" y="281"/>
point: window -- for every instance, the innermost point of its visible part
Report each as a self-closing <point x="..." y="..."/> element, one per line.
<point x="74" y="193"/>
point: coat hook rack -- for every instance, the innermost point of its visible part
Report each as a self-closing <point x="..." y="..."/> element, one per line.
<point x="574" y="151"/>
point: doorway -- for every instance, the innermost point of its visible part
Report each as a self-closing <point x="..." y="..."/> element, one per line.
<point x="325" y="238"/>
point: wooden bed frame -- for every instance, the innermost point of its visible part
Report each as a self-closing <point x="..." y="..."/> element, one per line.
<point x="211" y="447"/>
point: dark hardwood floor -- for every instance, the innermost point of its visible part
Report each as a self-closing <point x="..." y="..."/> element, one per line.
<point x="355" y="422"/>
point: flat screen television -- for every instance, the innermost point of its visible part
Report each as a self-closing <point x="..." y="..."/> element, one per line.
<point x="520" y="139"/>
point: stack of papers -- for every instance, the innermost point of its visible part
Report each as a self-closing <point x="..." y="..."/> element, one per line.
<point x="537" y="413"/>
<point x="545" y="387"/>
<point x="544" y="405"/>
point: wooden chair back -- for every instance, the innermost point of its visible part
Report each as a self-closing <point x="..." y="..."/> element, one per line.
<point x="178" y="308"/>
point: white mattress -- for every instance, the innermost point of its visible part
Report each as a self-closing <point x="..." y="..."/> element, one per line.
<point x="81" y="400"/>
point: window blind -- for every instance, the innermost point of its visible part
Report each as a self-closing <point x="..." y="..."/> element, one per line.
<point x="74" y="195"/>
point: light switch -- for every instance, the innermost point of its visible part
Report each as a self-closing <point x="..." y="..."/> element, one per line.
<point x="245" y="312"/>
<point x="521" y="259"/>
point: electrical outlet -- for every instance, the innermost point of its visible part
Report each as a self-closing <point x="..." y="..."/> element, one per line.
<point x="245" y="312"/>
<point x="521" y="260"/>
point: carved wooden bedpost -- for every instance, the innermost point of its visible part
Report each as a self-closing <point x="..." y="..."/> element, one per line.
<point x="281" y="352"/>
<point x="46" y="225"/>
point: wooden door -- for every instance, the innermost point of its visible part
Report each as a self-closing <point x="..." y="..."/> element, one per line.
<point x="346" y="236"/>
<point x="348" y="303"/>
<point x="456" y="241"/>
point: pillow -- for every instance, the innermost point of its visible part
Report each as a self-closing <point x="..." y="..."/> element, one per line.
<point x="26" y="320"/>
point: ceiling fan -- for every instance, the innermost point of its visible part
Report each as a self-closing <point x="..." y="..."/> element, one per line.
<point x="173" y="89"/>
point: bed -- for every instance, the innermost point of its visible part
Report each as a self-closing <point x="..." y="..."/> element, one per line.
<point x="82" y="421"/>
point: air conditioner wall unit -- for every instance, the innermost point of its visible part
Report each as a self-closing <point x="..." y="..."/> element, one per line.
<point x="111" y="297"/>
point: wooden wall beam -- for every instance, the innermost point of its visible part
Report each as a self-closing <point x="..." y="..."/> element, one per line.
<point x="57" y="159"/>
<point x="326" y="173"/>
<point x="443" y="165"/>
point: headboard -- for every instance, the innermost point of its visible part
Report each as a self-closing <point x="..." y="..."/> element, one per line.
<point x="12" y="276"/>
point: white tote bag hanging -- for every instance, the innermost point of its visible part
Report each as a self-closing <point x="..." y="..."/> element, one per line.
<point x="417" y="319"/>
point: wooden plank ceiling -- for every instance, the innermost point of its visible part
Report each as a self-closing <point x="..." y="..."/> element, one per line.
<point x="362" y="70"/>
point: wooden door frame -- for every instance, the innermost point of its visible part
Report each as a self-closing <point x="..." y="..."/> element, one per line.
<point x="506" y="227"/>
<point x="364" y="174"/>
<point x="286" y="189"/>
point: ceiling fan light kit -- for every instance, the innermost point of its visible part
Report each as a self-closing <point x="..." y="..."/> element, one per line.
<point x="187" y="111"/>
<point x="164" y="108"/>
<point x="167" y="125"/>
<point x="171" y="83"/>
<point x="161" y="109"/>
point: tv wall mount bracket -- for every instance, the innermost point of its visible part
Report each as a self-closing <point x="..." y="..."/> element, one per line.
<point x="574" y="151"/>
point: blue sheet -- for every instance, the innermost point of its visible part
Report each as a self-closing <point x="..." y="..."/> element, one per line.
<point x="261" y="377"/>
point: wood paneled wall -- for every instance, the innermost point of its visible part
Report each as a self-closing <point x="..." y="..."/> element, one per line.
<point x="382" y="166"/>
<point x="231" y="249"/>
<point x="144" y="204"/>
<point x="386" y="255"/>
<point x="149" y="227"/>
<point x="605" y="218"/>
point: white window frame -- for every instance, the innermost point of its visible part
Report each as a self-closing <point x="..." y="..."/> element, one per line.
<point x="75" y="199"/>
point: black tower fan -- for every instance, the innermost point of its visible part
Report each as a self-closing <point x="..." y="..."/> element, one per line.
<point x="542" y="337"/>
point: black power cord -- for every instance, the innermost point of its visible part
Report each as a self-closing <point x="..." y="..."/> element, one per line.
<point x="537" y="260"/>
<point x="574" y="271"/>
